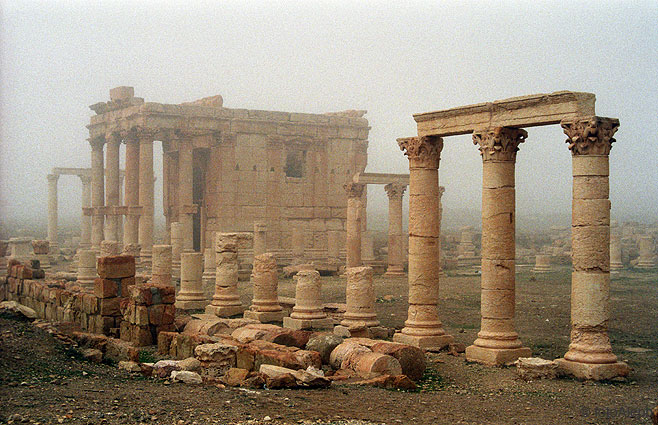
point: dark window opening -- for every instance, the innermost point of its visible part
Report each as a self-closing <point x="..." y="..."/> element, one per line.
<point x="295" y="164"/>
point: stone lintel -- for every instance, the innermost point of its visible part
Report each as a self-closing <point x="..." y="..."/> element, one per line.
<point x="381" y="178"/>
<point x="80" y="172"/>
<point x="524" y="111"/>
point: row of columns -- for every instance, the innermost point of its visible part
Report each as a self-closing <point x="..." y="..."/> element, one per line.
<point x="85" y="231"/>
<point x="590" y="353"/>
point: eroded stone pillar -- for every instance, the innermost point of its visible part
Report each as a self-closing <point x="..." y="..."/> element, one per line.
<point x="542" y="263"/>
<point x="86" y="268"/>
<point x="264" y="277"/>
<point x="226" y="300"/>
<point x="590" y="353"/>
<point x="177" y="247"/>
<point x="191" y="295"/>
<point x="52" y="213"/>
<point x="131" y="192"/>
<point x="395" y="241"/>
<point x="646" y="258"/>
<point x="146" y="197"/>
<point x="497" y="342"/>
<point x="112" y="185"/>
<point x="353" y="223"/>
<point x="297" y="241"/>
<point x="360" y="298"/>
<point x="97" y="192"/>
<point x="260" y="239"/>
<point x="85" y="229"/>
<point x="423" y="328"/>
<point x="161" y="265"/>
<point x="185" y="194"/>
<point x="308" y="312"/>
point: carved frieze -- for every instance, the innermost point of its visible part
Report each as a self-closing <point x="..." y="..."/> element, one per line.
<point x="590" y="136"/>
<point x="499" y="143"/>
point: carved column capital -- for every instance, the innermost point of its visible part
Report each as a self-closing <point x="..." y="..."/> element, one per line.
<point x="113" y="137"/>
<point x="395" y="190"/>
<point x="97" y="143"/>
<point x="422" y="151"/>
<point x="354" y="190"/>
<point x="591" y="135"/>
<point x="499" y="143"/>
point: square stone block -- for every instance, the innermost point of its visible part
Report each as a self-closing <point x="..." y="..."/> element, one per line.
<point x="298" y="324"/>
<point x="265" y="316"/>
<point x="191" y="305"/>
<point x="496" y="356"/>
<point x="225" y="311"/>
<point x="595" y="372"/>
<point x="429" y="343"/>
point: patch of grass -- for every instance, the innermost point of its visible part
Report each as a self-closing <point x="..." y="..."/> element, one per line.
<point x="431" y="382"/>
<point x="146" y="356"/>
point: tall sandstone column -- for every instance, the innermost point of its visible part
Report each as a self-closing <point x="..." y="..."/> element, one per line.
<point x="112" y="185"/>
<point x="146" y="196"/>
<point x="395" y="241"/>
<point x="423" y="328"/>
<point x="497" y="342"/>
<point x="52" y="213"/>
<point x="85" y="229"/>
<point x="353" y="223"/>
<point x="97" y="192"/>
<point x="590" y="354"/>
<point x="131" y="192"/>
<point x="185" y="194"/>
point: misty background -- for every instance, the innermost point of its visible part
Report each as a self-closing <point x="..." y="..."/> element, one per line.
<point x="393" y="59"/>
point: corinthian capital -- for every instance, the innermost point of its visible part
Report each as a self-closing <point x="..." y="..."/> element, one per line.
<point x="422" y="151"/>
<point x="499" y="143"/>
<point x="354" y="190"/>
<point x="590" y="136"/>
<point x="395" y="190"/>
<point x="97" y="142"/>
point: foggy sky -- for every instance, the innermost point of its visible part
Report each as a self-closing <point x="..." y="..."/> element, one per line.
<point x="390" y="58"/>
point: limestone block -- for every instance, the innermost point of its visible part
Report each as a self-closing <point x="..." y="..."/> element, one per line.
<point x="533" y="368"/>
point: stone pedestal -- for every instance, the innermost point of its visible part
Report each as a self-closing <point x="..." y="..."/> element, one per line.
<point x="264" y="277"/>
<point x="360" y="298"/>
<point x="466" y="249"/>
<point x="542" y="263"/>
<point x="497" y="342"/>
<point x="176" y="248"/>
<point x="191" y="295"/>
<point x="646" y="259"/>
<point x="20" y="249"/>
<point x="353" y="224"/>
<point x="590" y="353"/>
<point x="615" y="253"/>
<point x="260" y="239"/>
<point x="396" y="254"/>
<point x="161" y="265"/>
<point x="308" y="312"/>
<point x="423" y="328"/>
<point x="226" y="300"/>
<point x="86" y="268"/>
<point x="41" y="249"/>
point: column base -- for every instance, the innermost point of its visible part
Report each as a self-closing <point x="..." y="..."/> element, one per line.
<point x="297" y="324"/>
<point x="191" y="304"/>
<point x="394" y="272"/>
<point x="429" y="343"/>
<point x="224" y="310"/>
<point x="595" y="372"/>
<point x="264" y="316"/>
<point x="495" y="356"/>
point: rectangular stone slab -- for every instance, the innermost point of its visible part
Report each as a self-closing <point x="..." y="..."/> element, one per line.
<point x="381" y="178"/>
<point x="524" y="111"/>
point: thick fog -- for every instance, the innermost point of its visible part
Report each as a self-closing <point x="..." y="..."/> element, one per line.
<point x="393" y="59"/>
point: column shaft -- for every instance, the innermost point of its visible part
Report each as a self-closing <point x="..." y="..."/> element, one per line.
<point x="52" y="212"/>
<point x="131" y="192"/>
<point x="395" y="241"/>
<point x="85" y="231"/>
<point x="112" y="186"/>
<point x="185" y="194"/>
<point x="146" y="196"/>
<point x="97" y="193"/>
<point x="353" y="224"/>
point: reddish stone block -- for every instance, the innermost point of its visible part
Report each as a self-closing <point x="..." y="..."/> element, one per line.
<point x="126" y="284"/>
<point x="167" y="294"/>
<point x="169" y="314"/>
<point x="106" y="288"/>
<point x="141" y="336"/>
<point x="108" y="323"/>
<point x="141" y="295"/>
<point x="110" y="306"/>
<point x="155" y="314"/>
<point x="164" y="342"/>
<point x="119" y="350"/>
<point x="125" y="331"/>
<point x="89" y="304"/>
<point x="141" y="315"/>
<point x="113" y="267"/>
<point x="164" y="328"/>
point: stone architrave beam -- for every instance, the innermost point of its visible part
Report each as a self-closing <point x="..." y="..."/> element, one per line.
<point x="381" y="178"/>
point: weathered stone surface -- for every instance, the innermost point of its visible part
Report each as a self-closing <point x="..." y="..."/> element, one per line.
<point x="186" y="377"/>
<point x="235" y="377"/>
<point x="130" y="366"/>
<point x="92" y="355"/>
<point x="324" y="344"/>
<point x="281" y="377"/>
<point x="15" y="307"/>
<point x="532" y="368"/>
<point x="265" y="352"/>
<point x="190" y="364"/>
<point x="163" y="368"/>
<point x="402" y="382"/>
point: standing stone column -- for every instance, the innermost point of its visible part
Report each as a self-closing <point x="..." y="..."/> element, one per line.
<point x="260" y="239"/>
<point x="360" y="298"/>
<point x="191" y="295"/>
<point x="226" y="301"/>
<point x="86" y="268"/>
<point x="308" y="312"/>
<point x="97" y="192"/>
<point x="209" y="265"/>
<point x="353" y="224"/>
<point x="441" y="257"/>
<point x="395" y="241"/>
<point x="85" y="230"/>
<point x="112" y="185"/>
<point x="590" y="354"/>
<point x="264" y="277"/>
<point x="176" y="247"/>
<point x="542" y="263"/>
<point x="146" y="196"/>
<point x="52" y="213"/>
<point x="131" y="193"/>
<point x="615" y="248"/>
<point x="497" y="342"/>
<point x="185" y="194"/>
<point x="161" y="265"/>
<point x="423" y="328"/>
<point x="646" y="260"/>
<point x="297" y="241"/>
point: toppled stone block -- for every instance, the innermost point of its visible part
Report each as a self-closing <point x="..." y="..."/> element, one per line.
<point x="164" y="368"/>
<point x="92" y="355"/>
<point x="402" y="382"/>
<point x="17" y="308"/>
<point x="186" y="377"/>
<point x="281" y="377"/>
<point x="130" y="366"/>
<point x="324" y="344"/>
<point x="532" y="368"/>
<point x="191" y="364"/>
<point x="235" y="377"/>
<point x="114" y="267"/>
